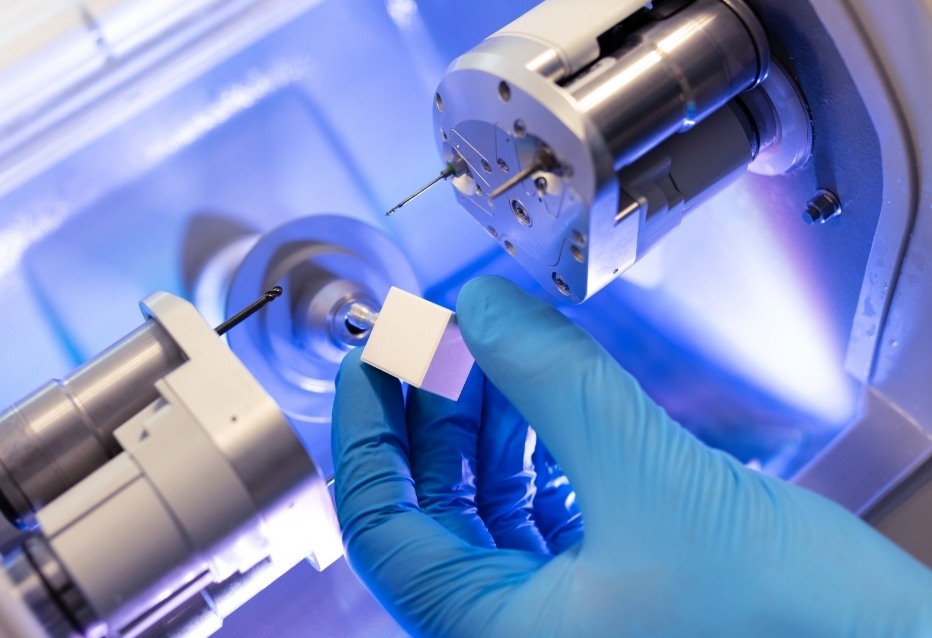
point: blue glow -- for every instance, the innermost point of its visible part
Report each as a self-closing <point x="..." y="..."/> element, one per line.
<point x="752" y="306"/>
<point x="723" y="325"/>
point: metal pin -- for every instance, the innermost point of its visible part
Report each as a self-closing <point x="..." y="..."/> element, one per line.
<point x="249" y="310"/>
<point x="456" y="167"/>
<point x="544" y="160"/>
<point x="360" y="318"/>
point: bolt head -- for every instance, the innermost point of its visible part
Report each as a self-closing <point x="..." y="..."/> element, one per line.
<point x="823" y="206"/>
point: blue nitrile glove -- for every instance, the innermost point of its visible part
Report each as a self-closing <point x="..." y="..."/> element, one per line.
<point x="442" y="521"/>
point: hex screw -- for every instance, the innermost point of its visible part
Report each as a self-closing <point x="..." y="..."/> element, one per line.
<point x="520" y="213"/>
<point x="823" y="206"/>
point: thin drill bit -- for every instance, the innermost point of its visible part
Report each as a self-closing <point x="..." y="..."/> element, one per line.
<point x="249" y="310"/>
<point x="449" y="171"/>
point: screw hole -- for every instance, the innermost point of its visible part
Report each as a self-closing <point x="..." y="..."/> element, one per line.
<point x="503" y="165"/>
<point x="486" y="166"/>
<point x="510" y="248"/>
<point x="578" y="255"/>
<point x="504" y="91"/>
<point x="561" y="284"/>
<point x="521" y="213"/>
<point x="520" y="128"/>
<point x="439" y="101"/>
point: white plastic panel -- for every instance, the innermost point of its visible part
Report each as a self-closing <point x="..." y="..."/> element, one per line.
<point x="419" y="342"/>
<point x="571" y="27"/>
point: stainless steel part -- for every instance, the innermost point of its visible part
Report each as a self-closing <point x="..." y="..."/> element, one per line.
<point x="823" y="206"/>
<point x="326" y="264"/>
<point x="70" y="602"/>
<point x="780" y="111"/>
<point x="542" y="161"/>
<point x="203" y="614"/>
<point x="558" y="39"/>
<point x="449" y="170"/>
<point x="359" y="318"/>
<point x="670" y="74"/>
<point x="660" y="72"/>
<point x="64" y="431"/>
<point x="26" y="578"/>
<point x="17" y="619"/>
<point x="211" y="482"/>
<point x="681" y="173"/>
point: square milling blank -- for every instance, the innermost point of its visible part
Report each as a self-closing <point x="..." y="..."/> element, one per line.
<point x="420" y="343"/>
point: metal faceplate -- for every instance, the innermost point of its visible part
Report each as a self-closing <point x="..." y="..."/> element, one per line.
<point x="483" y="119"/>
<point x="540" y="156"/>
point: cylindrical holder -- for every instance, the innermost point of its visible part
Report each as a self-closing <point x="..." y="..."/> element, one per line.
<point x="328" y="266"/>
<point x="681" y="173"/>
<point x="541" y="143"/>
<point x="670" y="74"/>
<point x="24" y="585"/>
<point x="64" y="431"/>
<point x="204" y="614"/>
<point x="212" y="481"/>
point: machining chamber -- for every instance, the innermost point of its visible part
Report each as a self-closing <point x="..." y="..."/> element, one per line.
<point x="217" y="148"/>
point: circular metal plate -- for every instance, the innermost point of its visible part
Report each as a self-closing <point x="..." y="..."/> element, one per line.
<point x="322" y="262"/>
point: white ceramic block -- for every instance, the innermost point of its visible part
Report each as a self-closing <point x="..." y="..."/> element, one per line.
<point x="420" y="343"/>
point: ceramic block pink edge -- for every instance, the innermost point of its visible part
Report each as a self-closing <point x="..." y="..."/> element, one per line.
<point x="420" y="343"/>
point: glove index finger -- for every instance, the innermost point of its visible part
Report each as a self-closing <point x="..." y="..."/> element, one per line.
<point x="592" y="415"/>
<point x="372" y="476"/>
<point x="429" y="579"/>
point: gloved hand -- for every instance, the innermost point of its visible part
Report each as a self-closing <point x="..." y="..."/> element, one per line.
<point x="442" y="521"/>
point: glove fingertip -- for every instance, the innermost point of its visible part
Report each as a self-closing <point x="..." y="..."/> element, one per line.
<point x="486" y="309"/>
<point x="476" y="297"/>
<point x="350" y="365"/>
<point x="355" y="374"/>
<point x="364" y="396"/>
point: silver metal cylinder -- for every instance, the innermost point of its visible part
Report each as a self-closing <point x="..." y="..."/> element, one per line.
<point x="203" y="614"/>
<point x="687" y="169"/>
<point x="670" y="74"/>
<point x="64" y="431"/>
<point x="325" y="264"/>
<point x="59" y="608"/>
<point x="37" y="595"/>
